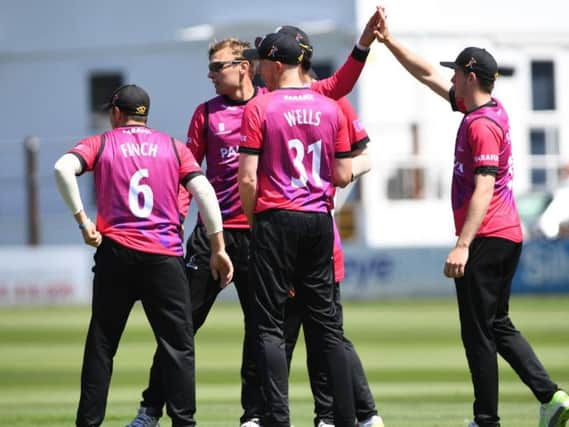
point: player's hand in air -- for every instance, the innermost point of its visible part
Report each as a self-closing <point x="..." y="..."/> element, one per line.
<point x="221" y="267"/>
<point x="90" y="235"/>
<point x="368" y="34"/>
<point x="456" y="262"/>
<point x="382" y="30"/>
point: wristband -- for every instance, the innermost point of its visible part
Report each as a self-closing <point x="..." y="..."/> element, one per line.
<point x="360" y="54"/>
<point x="362" y="47"/>
<point x="84" y="224"/>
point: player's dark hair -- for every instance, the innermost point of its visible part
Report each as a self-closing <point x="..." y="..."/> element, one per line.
<point x="486" y="85"/>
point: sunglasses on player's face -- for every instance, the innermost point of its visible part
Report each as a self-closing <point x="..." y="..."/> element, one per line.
<point x="217" y="66"/>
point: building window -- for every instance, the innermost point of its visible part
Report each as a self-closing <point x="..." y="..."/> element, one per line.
<point x="544" y="157"/>
<point x="543" y="85"/>
<point x="408" y="180"/>
<point x="101" y="86"/>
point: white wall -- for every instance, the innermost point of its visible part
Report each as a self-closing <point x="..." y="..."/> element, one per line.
<point x="392" y="100"/>
<point x="523" y="17"/>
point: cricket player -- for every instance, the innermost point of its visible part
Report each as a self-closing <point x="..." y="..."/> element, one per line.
<point x="294" y="149"/>
<point x="138" y="172"/>
<point x="366" y="411"/>
<point x="489" y="236"/>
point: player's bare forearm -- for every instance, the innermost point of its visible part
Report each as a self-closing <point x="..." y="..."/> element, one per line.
<point x="418" y="67"/>
<point x="361" y="164"/>
<point x="220" y="263"/>
<point x="217" y="243"/>
<point x="477" y="208"/>
<point x="342" y="172"/>
<point x="248" y="195"/>
<point x="455" y="263"/>
<point x="247" y="179"/>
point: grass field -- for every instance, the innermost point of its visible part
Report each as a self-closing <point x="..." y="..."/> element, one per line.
<point x="410" y="348"/>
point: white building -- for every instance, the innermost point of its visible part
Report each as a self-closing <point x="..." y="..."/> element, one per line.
<point x="414" y="130"/>
<point x="59" y="59"/>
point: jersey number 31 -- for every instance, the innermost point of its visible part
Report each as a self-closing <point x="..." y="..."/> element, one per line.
<point x="316" y="149"/>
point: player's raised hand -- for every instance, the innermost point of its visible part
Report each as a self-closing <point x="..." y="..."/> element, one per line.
<point x="221" y="267"/>
<point x="381" y="30"/>
<point x="368" y="33"/>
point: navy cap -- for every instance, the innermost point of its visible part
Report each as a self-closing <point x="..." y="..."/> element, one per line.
<point x="476" y="60"/>
<point x="130" y="99"/>
<point x="281" y="47"/>
<point x="300" y="36"/>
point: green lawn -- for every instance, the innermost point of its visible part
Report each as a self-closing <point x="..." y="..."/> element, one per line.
<point x="410" y="348"/>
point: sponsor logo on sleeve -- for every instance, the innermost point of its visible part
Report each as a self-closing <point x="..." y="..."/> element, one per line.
<point x="486" y="158"/>
<point x="358" y="125"/>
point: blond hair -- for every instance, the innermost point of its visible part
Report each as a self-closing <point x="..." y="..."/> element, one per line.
<point x="237" y="46"/>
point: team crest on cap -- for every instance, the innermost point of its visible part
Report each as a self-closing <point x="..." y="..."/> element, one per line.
<point x="272" y="51"/>
<point x="141" y="109"/>
<point x="471" y="63"/>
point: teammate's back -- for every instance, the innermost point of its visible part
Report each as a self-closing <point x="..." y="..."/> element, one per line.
<point x="303" y="133"/>
<point x="137" y="171"/>
<point x="293" y="141"/>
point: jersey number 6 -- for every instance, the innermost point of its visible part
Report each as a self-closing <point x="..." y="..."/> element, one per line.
<point x="135" y="190"/>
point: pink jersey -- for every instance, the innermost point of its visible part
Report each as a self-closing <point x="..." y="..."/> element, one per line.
<point x="358" y="141"/>
<point x="221" y="121"/>
<point x="297" y="134"/>
<point x="138" y="172"/>
<point x="358" y="135"/>
<point x="483" y="141"/>
<point x="214" y="133"/>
